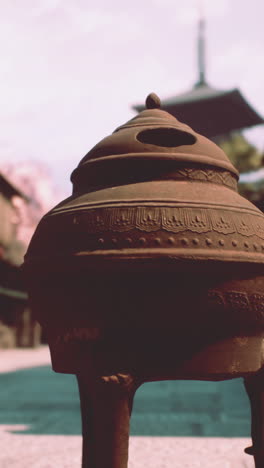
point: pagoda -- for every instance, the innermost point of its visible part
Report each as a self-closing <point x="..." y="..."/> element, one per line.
<point x="212" y="112"/>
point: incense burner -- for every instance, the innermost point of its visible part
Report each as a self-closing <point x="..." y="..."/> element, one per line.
<point x="151" y="270"/>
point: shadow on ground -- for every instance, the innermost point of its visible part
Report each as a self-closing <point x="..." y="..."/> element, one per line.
<point x="48" y="403"/>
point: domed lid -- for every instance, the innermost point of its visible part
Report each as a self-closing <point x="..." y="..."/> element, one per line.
<point x="153" y="116"/>
<point x="151" y="135"/>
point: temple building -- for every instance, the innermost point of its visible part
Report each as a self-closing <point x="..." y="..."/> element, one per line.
<point x="17" y="326"/>
<point x="212" y="112"/>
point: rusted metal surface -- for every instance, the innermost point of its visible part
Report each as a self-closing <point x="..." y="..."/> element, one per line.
<point x="152" y="269"/>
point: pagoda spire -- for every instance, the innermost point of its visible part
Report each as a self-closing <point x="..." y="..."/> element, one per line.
<point x="201" y="46"/>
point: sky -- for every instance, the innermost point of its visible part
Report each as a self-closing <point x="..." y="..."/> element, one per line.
<point x="71" y="70"/>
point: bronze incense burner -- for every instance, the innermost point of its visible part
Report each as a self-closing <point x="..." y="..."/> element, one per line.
<point x="151" y="270"/>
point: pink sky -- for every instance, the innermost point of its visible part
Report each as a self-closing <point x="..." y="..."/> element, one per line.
<point x="71" y="69"/>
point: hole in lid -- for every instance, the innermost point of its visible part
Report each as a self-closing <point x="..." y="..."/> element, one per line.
<point x="166" y="137"/>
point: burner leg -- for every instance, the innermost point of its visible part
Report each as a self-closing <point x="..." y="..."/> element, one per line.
<point x="255" y="389"/>
<point x="106" y="405"/>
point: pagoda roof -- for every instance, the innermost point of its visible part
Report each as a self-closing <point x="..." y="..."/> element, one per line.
<point x="211" y="112"/>
<point x="197" y="93"/>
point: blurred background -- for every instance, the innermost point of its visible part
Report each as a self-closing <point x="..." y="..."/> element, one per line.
<point x="72" y="71"/>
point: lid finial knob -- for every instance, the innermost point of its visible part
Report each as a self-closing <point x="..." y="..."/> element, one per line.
<point x="153" y="101"/>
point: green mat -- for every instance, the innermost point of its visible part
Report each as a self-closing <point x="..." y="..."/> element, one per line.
<point x="48" y="403"/>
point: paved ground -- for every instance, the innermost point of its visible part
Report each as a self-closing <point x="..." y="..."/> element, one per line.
<point x="175" y="424"/>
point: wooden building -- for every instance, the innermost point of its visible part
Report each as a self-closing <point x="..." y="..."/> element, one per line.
<point x="17" y="326"/>
<point x="212" y="112"/>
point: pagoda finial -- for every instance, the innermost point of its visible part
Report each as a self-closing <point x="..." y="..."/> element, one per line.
<point x="201" y="44"/>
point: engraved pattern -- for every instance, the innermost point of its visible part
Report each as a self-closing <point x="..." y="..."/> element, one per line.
<point x="257" y="302"/>
<point x="238" y="302"/>
<point x="98" y="221"/>
<point x="216" y="299"/>
<point x="121" y="221"/>
<point x="228" y="179"/>
<point x="209" y="175"/>
<point x="258" y="228"/>
<point x="78" y="334"/>
<point x="222" y="223"/>
<point x="196" y="220"/>
<point x="171" y="219"/>
<point x="148" y="219"/>
<point x="244" y="225"/>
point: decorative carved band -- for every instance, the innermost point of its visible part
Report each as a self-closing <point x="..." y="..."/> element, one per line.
<point x="172" y="219"/>
<point x="235" y="302"/>
<point x="207" y="175"/>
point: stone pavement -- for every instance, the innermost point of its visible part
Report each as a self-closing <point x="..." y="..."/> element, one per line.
<point x="175" y="424"/>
